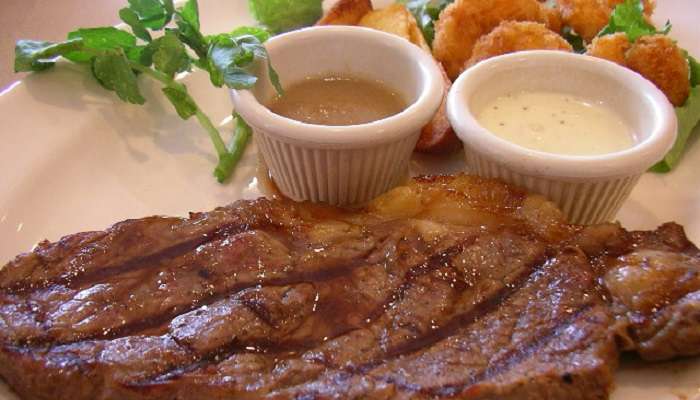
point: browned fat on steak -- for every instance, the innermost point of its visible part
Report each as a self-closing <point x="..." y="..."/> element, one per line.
<point x="449" y="287"/>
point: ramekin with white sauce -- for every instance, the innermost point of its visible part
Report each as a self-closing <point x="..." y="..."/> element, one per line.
<point x="588" y="188"/>
<point x="342" y="165"/>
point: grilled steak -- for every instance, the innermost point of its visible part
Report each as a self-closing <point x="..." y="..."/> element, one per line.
<point x="447" y="287"/>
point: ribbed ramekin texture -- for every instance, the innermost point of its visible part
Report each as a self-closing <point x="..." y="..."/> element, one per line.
<point x="335" y="176"/>
<point x="583" y="202"/>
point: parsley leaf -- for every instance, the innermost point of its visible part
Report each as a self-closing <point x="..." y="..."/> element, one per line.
<point x="169" y="54"/>
<point x="137" y="26"/>
<point x="190" y="14"/>
<point x="153" y="14"/>
<point x="260" y="33"/>
<point x="238" y="78"/>
<point x="231" y="61"/>
<point x="32" y="55"/>
<point x="116" y="56"/>
<point x="99" y="39"/>
<point x="574" y="40"/>
<point x="628" y="17"/>
<point x="188" y="29"/>
<point x="140" y="54"/>
<point x="113" y="72"/>
<point x="169" y="9"/>
<point x="252" y="43"/>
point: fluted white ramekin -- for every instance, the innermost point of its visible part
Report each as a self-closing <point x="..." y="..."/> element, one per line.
<point x="588" y="189"/>
<point x="342" y="165"/>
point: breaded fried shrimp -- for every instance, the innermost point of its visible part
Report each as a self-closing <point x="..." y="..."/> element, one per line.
<point x="659" y="59"/>
<point x="512" y="36"/>
<point x="552" y="17"/>
<point x="610" y="47"/>
<point x="463" y="22"/>
<point x="655" y="57"/>
<point x="586" y="17"/>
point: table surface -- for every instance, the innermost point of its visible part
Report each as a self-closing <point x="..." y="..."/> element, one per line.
<point x="47" y="20"/>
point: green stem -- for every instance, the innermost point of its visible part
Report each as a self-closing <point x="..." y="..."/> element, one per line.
<point x="206" y="123"/>
<point x="241" y="136"/>
<point x="212" y="131"/>
<point x="157" y="75"/>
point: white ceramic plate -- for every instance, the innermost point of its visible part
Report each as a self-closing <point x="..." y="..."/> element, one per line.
<point x="75" y="158"/>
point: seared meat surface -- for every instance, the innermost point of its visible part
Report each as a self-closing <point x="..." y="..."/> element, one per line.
<point x="447" y="287"/>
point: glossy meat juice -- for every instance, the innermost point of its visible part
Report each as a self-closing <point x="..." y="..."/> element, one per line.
<point x="447" y="287"/>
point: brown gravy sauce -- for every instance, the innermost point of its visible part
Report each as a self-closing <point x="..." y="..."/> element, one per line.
<point x="337" y="100"/>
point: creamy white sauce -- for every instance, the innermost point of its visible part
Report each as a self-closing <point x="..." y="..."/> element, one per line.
<point x="556" y="123"/>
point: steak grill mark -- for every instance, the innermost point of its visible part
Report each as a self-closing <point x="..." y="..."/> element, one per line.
<point x="502" y="290"/>
<point x="74" y="278"/>
<point x="288" y="349"/>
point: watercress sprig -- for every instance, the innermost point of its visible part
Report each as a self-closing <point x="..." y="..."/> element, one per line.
<point x="163" y="42"/>
<point x="628" y="17"/>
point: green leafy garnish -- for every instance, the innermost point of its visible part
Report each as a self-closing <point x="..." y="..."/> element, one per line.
<point x="232" y="56"/>
<point x="241" y="137"/>
<point x="628" y="17"/>
<point x="187" y="20"/>
<point x="153" y="14"/>
<point x="426" y="13"/>
<point x="285" y="15"/>
<point x="108" y="38"/>
<point x="190" y="14"/>
<point x="116" y="57"/>
<point x="688" y="118"/>
<point x="574" y="40"/>
<point x="694" y="67"/>
<point x="33" y="55"/>
<point x="112" y="71"/>
<point x="260" y="33"/>
<point x="169" y="54"/>
<point x="137" y="26"/>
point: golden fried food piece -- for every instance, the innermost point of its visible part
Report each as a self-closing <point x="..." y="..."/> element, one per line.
<point x="416" y="35"/>
<point x="588" y="17"/>
<point x="512" y="36"/>
<point x="463" y="22"/>
<point x="438" y="136"/>
<point x="398" y="20"/>
<point x="553" y="19"/>
<point x="659" y="59"/>
<point x="394" y="19"/>
<point x="585" y="17"/>
<point x="346" y="12"/>
<point x="611" y="47"/>
<point x="655" y="57"/>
